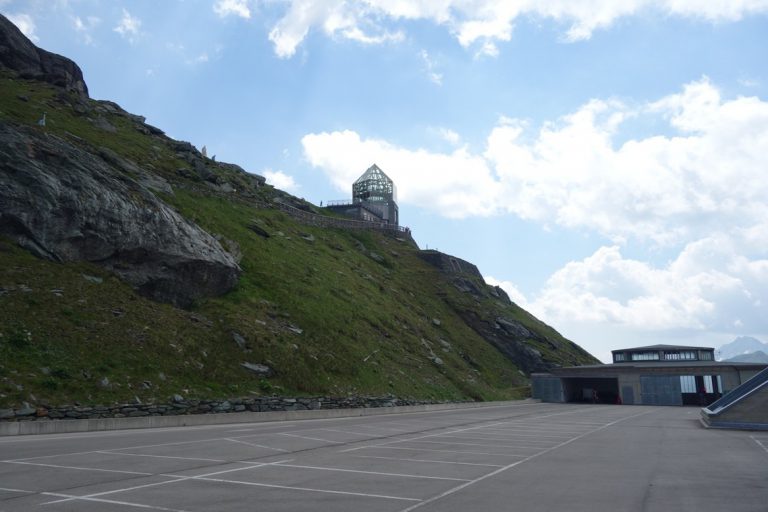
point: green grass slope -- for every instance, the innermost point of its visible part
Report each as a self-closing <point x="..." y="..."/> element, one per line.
<point x="312" y="303"/>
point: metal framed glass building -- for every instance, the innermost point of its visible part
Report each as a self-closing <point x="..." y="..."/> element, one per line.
<point x="377" y="191"/>
<point x="374" y="198"/>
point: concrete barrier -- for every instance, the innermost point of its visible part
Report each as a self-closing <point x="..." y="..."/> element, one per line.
<point x="101" y="424"/>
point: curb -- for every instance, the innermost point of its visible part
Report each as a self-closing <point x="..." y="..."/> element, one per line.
<point x="19" y="428"/>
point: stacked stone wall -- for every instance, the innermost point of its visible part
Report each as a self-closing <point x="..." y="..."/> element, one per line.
<point x="186" y="407"/>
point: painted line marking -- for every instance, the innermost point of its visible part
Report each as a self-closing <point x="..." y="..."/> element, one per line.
<point x="475" y="428"/>
<point x="541" y="435"/>
<point x="472" y="437"/>
<point x="308" y="489"/>
<point x="255" y="445"/>
<point x="105" y="452"/>
<point x="309" y="438"/>
<point x="114" y="491"/>
<point x="82" y="468"/>
<point x="176" y="479"/>
<point x="368" y="435"/>
<point x="111" y="502"/>
<point x="453" y="443"/>
<point x="382" y="428"/>
<point x="759" y="443"/>
<point x="428" y="460"/>
<point x="517" y="463"/>
<point x="370" y="472"/>
<point x="7" y="489"/>
<point x="443" y="451"/>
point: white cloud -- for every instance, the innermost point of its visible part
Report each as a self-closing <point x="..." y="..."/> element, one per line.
<point x="129" y="26"/>
<point x="449" y="136"/>
<point x="429" y="68"/>
<point x="224" y="8"/>
<point x="337" y="18"/>
<point x="85" y="26"/>
<point x="26" y="24"/>
<point x="708" y="176"/>
<point x="714" y="284"/>
<point x="487" y="22"/>
<point x="280" y="180"/>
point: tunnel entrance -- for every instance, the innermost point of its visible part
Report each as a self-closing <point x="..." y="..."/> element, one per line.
<point x="591" y="390"/>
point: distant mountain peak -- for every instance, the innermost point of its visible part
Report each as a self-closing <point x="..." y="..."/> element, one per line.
<point x="740" y="346"/>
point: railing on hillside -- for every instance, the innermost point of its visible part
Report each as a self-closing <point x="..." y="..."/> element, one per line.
<point x="313" y="219"/>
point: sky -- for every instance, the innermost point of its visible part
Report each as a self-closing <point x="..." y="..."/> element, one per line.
<point x="605" y="162"/>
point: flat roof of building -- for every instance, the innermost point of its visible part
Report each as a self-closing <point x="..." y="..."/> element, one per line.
<point x="641" y="365"/>
<point x="664" y="347"/>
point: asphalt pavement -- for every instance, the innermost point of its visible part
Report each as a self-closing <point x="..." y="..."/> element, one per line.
<point x="518" y="456"/>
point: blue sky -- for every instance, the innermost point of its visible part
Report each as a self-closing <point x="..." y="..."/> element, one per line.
<point x="603" y="161"/>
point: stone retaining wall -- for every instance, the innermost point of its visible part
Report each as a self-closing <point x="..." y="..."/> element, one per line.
<point x="187" y="407"/>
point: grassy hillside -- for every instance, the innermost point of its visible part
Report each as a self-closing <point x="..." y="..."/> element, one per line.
<point x="330" y="311"/>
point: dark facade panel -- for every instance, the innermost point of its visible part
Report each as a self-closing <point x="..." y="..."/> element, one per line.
<point x="660" y="390"/>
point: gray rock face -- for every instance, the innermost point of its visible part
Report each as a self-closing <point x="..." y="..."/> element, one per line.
<point x="260" y="370"/>
<point x="19" y="54"/>
<point x="66" y="204"/>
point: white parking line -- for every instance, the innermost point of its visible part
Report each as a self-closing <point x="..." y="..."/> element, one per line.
<point x="442" y="451"/>
<point x="538" y="435"/>
<point x="517" y="463"/>
<point x="383" y="428"/>
<point x="370" y="472"/>
<point x="255" y="445"/>
<point x="176" y="479"/>
<point x="475" y="436"/>
<point x="7" y="489"/>
<point x="114" y="491"/>
<point x="105" y="452"/>
<point x="308" y="489"/>
<point x="81" y="468"/>
<point x="368" y="434"/>
<point x="760" y="443"/>
<point x="455" y="431"/>
<point x="428" y="460"/>
<point x="309" y="438"/>
<point x="111" y="502"/>
<point x="454" y="443"/>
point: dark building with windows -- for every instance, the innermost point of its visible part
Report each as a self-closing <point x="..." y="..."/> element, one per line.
<point x="374" y="198"/>
<point x="653" y="375"/>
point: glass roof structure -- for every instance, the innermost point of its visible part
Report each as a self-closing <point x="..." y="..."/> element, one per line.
<point x="374" y="187"/>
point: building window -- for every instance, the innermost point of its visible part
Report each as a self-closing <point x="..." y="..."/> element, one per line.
<point x="688" y="384"/>
<point x="684" y="355"/>
<point x="706" y="356"/>
<point x="619" y="357"/>
<point x="708" y="384"/>
<point x="645" y="356"/>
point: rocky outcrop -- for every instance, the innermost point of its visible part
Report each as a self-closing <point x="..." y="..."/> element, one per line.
<point x="450" y="265"/>
<point x="19" y="54"/>
<point x="513" y="340"/>
<point x="64" y="203"/>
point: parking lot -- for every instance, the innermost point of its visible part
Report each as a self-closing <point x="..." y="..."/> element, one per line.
<point x="521" y="456"/>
